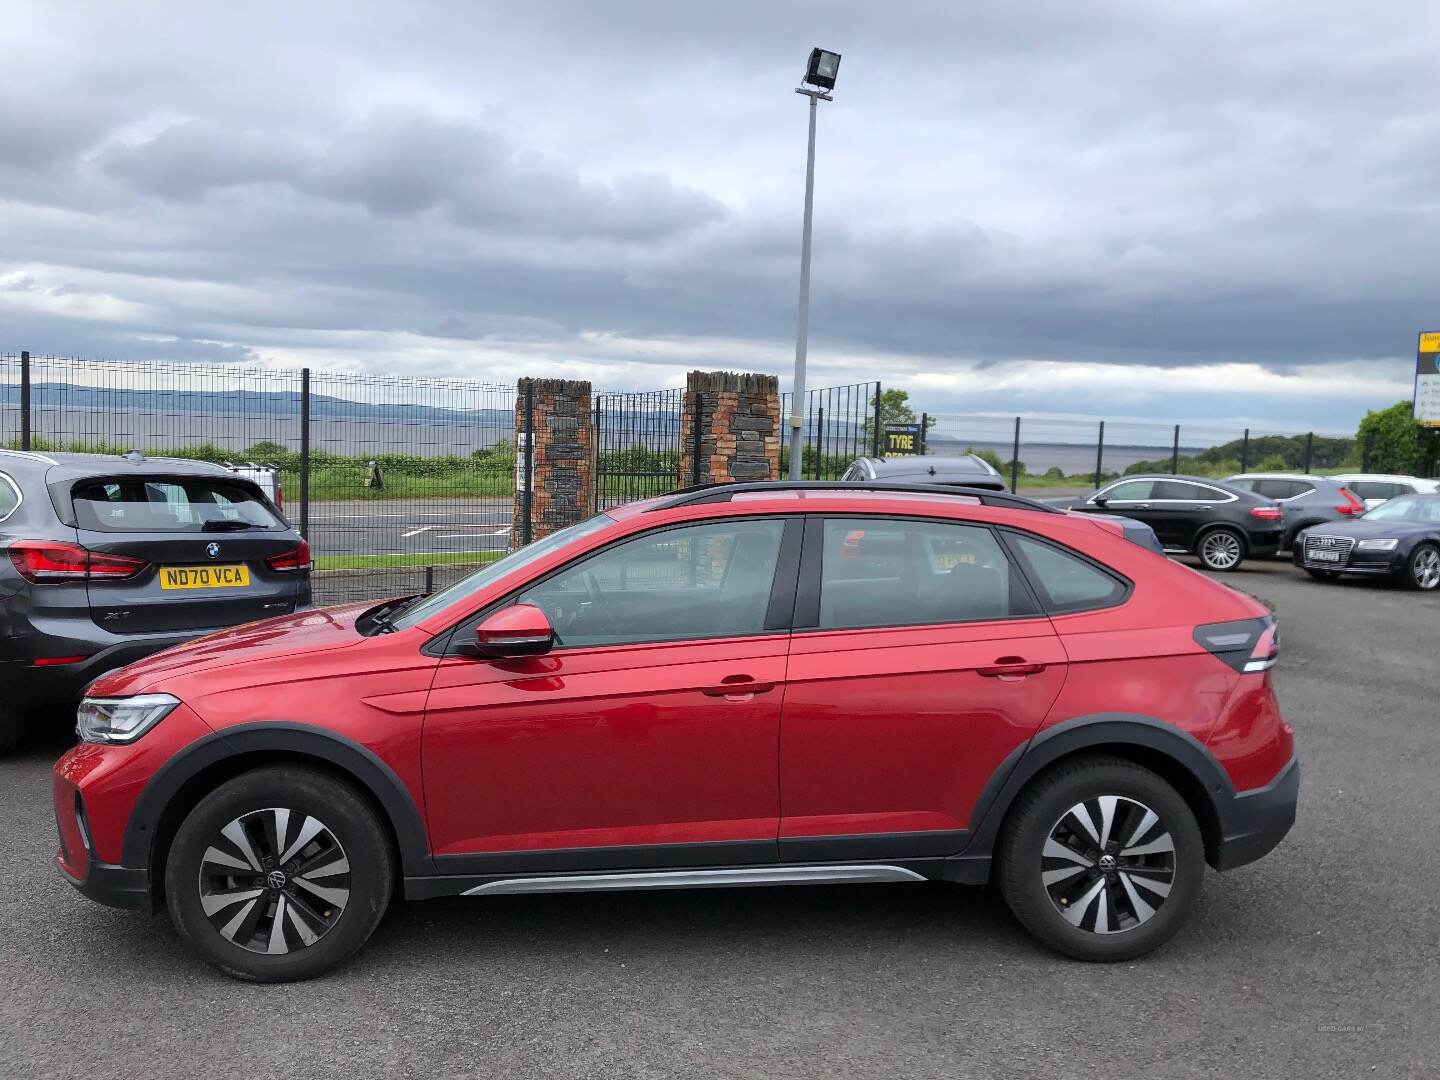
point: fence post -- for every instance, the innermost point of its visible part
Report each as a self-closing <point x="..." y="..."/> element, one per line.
<point x="429" y="580"/>
<point x="1100" y="454"/>
<point x="819" y="439"/>
<point x="1245" y="452"/>
<point x="878" y="440"/>
<point x="305" y="452"/>
<point x="695" y="444"/>
<point x="1309" y="448"/>
<point x="924" y="431"/>
<point x="1175" y="452"/>
<point x="527" y="500"/>
<point x="595" y="457"/>
<point x="1015" y="458"/>
<point x="24" y="400"/>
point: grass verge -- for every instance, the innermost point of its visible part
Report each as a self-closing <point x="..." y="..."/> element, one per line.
<point x="393" y="562"/>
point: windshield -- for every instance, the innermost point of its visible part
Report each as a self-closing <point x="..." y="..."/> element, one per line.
<point x="160" y="504"/>
<point x="1407" y="508"/>
<point x="468" y="586"/>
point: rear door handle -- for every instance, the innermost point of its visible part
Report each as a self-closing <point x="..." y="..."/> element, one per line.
<point x="737" y="688"/>
<point x="1010" y="667"/>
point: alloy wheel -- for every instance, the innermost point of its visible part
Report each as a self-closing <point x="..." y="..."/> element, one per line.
<point x="1108" y="864"/>
<point x="274" y="881"/>
<point x="1427" y="568"/>
<point x="1220" y="550"/>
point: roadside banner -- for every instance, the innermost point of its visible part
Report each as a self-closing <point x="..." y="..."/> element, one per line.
<point x="902" y="440"/>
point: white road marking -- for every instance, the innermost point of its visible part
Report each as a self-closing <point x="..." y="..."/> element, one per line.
<point x="417" y="532"/>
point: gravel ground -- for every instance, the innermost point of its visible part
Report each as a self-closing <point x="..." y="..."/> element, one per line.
<point x="1321" y="960"/>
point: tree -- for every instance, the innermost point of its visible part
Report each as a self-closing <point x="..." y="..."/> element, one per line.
<point x="894" y="409"/>
<point x="1393" y="439"/>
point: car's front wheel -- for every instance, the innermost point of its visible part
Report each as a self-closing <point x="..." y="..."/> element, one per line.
<point x="1101" y="859"/>
<point x="278" y="875"/>
<point x="1221" y="549"/>
<point x="1422" y="571"/>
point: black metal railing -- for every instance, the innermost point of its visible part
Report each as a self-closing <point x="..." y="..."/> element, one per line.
<point x="637" y="445"/>
<point x="839" y="424"/>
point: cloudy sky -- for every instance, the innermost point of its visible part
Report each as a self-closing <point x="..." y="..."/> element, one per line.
<point x="1209" y="211"/>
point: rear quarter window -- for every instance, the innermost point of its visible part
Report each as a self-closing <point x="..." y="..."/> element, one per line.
<point x="1067" y="582"/>
<point x="9" y="496"/>
<point x="159" y="504"/>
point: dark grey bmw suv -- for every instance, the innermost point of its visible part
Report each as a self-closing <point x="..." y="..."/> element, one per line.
<point x="113" y="558"/>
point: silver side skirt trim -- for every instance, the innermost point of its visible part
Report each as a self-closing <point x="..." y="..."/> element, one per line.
<point x="698" y="879"/>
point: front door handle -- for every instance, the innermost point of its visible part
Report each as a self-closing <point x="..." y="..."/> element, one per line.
<point x="737" y="688"/>
<point x="1010" y="667"/>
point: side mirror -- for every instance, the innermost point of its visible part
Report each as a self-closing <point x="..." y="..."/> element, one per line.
<point x="518" y="630"/>
<point x="1100" y="500"/>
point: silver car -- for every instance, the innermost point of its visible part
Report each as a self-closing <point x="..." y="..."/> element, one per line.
<point x="1305" y="500"/>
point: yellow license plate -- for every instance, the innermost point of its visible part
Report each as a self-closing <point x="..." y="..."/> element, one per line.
<point x="204" y="577"/>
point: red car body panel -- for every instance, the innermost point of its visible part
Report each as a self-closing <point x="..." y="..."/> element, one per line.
<point x="841" y="733"/>
<point x="606" y="746"/>
<point x="893" y="730"/>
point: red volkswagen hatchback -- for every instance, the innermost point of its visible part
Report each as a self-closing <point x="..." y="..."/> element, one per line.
<point x="742" y="685"/>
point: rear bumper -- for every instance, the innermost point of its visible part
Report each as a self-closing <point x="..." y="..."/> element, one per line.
<point x="27" y="685"/>
<point x="1266" y="543"/>
<point x="1255" y="821"/>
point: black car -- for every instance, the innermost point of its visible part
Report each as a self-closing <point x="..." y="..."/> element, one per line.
<point x="963" y="470"/>
<point x="1220" y="524"/>
<point x="113" y="558"/>
<point x="1399" y="539"/>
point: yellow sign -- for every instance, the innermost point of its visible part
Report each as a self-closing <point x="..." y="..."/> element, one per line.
<point x="204" y="577"/>
<point x="1430" y="342"/>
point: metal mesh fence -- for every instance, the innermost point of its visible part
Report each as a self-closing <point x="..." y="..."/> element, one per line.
<point x="1057" y="455"/>
<point x="10" y="400"/>
<point x="839" y="426"/>
<point x="637" y="445"/>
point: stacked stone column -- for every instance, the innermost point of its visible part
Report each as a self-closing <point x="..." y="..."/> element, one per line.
<point x="563" y="483"/>
<point x="738" y="418"/>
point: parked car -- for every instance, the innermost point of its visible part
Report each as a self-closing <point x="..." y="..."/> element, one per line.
<point x="266" y="478"/>
<point x="111" y="559"/>
<point x="1375" y="488"/>
<point x="1305" y="500"/>
<point x="963" y="470"/>
<point x="1399" y="539"/>
<point x="748" y="684"/>
<point x="1220" y="524"/>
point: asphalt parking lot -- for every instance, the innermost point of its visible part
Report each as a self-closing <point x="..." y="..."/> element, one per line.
<point x="1321" y="960"/>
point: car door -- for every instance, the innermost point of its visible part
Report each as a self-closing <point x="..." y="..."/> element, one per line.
<point x="920" y="660"/>
<point x="1178" y="509"/>
<point x="647" y="735"/>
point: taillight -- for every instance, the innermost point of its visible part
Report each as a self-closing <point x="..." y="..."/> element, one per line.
<point x="1267" y="513"/>
<point x="1247" y="645"/>
<point x="1352" y="503"/>
<point x="294" y="559"/>
<point x="279" y="496"/>
<point x="46" y="560"/>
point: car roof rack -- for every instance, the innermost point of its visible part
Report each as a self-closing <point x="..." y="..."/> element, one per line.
<point x="724" y="492"/>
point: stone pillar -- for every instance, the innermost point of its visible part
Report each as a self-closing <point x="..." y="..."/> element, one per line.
<point x="738" y="417"/>
<point x="563" y="490"/>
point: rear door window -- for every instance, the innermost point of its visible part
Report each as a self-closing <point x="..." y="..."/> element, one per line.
<point x="886" y="572"/>
<point x="177" y="505"/>
<point x="1279" y="489"/>
<point x="1128" y="491"/>
<point x="1178" y="490"/>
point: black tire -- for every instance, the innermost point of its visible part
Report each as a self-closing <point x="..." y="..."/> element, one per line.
<point x="12" y="730"/>
<point x="1042" y="813"/>
<point x="1321" y="575"/>
<point x="1220" y="548"/>
<point x="340" y="921"/>
<point x="1422" y="569"/>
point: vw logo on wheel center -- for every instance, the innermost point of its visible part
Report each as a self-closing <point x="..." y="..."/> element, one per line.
<point x="213" y="550"/>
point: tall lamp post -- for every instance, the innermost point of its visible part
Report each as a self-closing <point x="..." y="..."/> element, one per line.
<point x="820" y="77"/>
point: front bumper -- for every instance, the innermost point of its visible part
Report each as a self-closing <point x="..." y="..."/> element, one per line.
<point x="1257" y="820"/>
<point x="116" y="886"/>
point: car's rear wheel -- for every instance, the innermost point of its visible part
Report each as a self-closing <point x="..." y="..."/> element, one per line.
<point x="279" y="874"/>
<point x="1423" y="570"/>
<point x="1101" y="859"/>
<point x="1221" y="549"/>
<point x="12" y="729"/>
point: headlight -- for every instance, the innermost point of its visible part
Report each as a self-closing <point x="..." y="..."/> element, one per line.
<point x="121" y="720"/>
<point x="1377" y="545"/>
